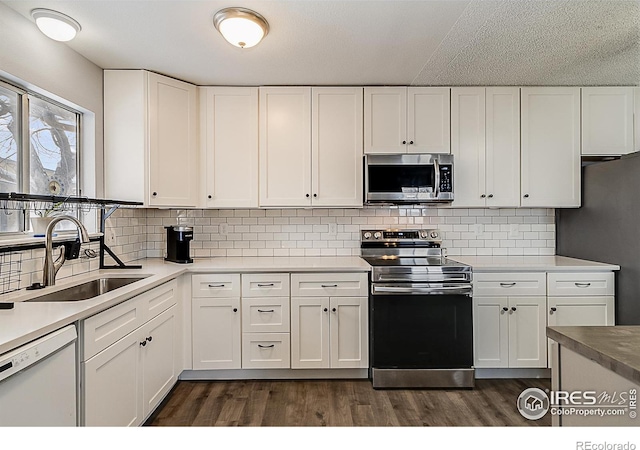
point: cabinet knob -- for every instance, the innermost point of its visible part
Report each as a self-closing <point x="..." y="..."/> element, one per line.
<point x="150" y="338"/>
<point x="513" y="308"/>
<point x="143" y="343"/>
<point x="553" y="310"/>
<point x="505" y="309"/>
<point x="315" y="195"/>
<point x="333" y="310"/>
<point x="526" y="195"/>
<point x="404" y="142"/>
<point x="490" y="195"/>
<point x="154" y="194"/>
<point x="235" y="309"/>
<point x="326" y="309"/>
<point x="411" y="142"/>
<point x="208" y="196"/>
<point x="482" y="196"/>
<point x="307" y="195"/>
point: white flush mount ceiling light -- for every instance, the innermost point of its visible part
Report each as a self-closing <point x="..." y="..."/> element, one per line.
<point x="240" y="26"/>
<point x="56" y="25"/>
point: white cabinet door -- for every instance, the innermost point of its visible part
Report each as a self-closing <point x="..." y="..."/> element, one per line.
<point x="607" y="120"/>
<point x="550" y="139"/>
<point x="112" y="385"/>
<point x="229" y="147"/>
<point x="502" y="159"/>
<point x="491" y="332"/>
<point x="159" y="371"/>
<point x="385" y="120"/>
<point x="348" y="326"/>
<point x="216" y="333"/>
<point x="285" y="146"/>
<point x="581" y="311"/>
<point x="336" y="145"/>
<point x="172" y="142"/>
<point x="428" y="120"/>
<point x="468" y="146"/>
<point x="527" y="336"/>
<point x="310" y="332"/>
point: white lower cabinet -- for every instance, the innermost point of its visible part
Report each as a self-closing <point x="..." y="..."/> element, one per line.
<point x="329" y="331"/>
<point x="216" y="333"/>
<point x="510" y="320"/>
<point x="126" y="381"/>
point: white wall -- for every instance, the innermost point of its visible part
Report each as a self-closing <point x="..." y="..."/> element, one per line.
<point x="35" y="62"/>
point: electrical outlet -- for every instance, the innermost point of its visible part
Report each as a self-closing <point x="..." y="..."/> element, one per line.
<point x="514" y="231"/>
<point x="224" y="229"/>
<point x="333" y="229"/>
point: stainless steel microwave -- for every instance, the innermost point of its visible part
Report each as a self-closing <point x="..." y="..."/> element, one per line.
<point x="408" y="178"/>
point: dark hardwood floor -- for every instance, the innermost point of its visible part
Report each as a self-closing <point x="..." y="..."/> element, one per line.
<point x="351" y="403"/>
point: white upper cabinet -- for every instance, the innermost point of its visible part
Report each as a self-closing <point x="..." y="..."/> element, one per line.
<point x="550" y="139"/>
<point x="485" y="141"/>
<point x="407" y="120"/>
<point x="310" y="147"/>
<point x="607" y="120"/>
<point x="336" y="146"/>
<point x="229" y="147"/>
<point x="150" y="127"/>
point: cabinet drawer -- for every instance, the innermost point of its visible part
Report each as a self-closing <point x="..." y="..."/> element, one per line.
<point x="509" y="284"/>
<point x="266" y="314"/>
<point x="580" y="284"/>
<point x="105" y="328"/>
<point x="216" y="285"/>
<point x="266" y="351"/>
<point x="329" y="284"/>
<point x="265" y="285"/>
<point x="158" y="299"/>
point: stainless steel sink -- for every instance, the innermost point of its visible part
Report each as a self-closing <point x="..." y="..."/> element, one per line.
<point x="86" y="290"/>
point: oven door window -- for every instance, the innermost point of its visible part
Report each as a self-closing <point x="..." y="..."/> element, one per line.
<point x="422" y="332"/>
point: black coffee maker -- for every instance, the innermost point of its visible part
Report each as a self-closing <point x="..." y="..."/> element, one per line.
<point x="178" y="239"/>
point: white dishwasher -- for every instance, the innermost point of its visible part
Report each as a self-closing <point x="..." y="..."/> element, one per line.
<point x="38" y="382"/>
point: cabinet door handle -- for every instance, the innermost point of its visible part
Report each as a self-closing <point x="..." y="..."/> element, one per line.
<point x="235" y="309"/>
<point x="490" y="196"/>
<point x="143" y="343"/>
<point x="553" y="309"/>
<point x="582" y="285"/>
<point x="333" y="310"/>
<point x="404" y="142"/>
<point x="328" y="285"/>
<point x="266" y="284"/>
<point x="411" y="142"/>
<point x="315" y="195"/>
<point x="507" y="284"/>
<point x="526" y="195"/>
<point x="150" y="338"/>
<point x="154" y="194"/>
<point x="266" y="310"/>
<point x="216" y="285"/>
<point x="513" y="308"/>
<point x="482" y="196"/>
<point x="209" y="196"/>
<point x="307" y="195"/>
<point x="505" y="309"/>
<point x="266" y="346"/>
<point x="325" y="310"/>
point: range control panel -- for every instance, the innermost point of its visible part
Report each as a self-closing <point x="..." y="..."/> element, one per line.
<point x="400" y="235"/>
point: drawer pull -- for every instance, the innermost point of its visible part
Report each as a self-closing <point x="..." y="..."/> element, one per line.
<point x="328" y="285"/>
<point x="582" y="285"/>
<point x="504" y="309"/>
<point x="266" y="284"/>
<point x="553" y="309"/>
<point x="266" y="346"/>
<point x="507" y="284"/>
<point x="266" y="310"/>
<point x="216" y="285"/>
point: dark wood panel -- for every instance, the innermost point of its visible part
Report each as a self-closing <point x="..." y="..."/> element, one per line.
<point x="319" y="403"/>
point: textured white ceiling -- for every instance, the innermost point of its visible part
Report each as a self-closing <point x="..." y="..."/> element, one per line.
<point x="367" y="42"/>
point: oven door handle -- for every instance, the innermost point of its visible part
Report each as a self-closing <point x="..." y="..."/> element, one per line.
<point x="450" y="290"/>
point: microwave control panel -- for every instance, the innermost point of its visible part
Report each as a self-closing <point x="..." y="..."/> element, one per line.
<point x="446" y="180"/>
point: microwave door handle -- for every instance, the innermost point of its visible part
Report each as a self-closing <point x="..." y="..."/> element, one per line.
<point x="436" y="168"/>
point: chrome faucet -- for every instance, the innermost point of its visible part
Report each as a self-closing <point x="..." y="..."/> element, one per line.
<point x="50" y="268"/>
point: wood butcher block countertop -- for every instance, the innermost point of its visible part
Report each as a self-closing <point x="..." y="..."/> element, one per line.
<point x="615" y="348"/>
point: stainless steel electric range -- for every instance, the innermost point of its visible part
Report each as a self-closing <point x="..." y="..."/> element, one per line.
<point x="421" y="312"/>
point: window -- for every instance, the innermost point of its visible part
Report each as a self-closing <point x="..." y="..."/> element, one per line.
<point x="38" y="150"/>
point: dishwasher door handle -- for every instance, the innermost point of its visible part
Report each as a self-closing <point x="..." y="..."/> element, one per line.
<point x="422" y="290"/>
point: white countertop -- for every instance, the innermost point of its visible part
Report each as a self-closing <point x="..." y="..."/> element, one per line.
<point x="30" y="320"/>
<point x="532" y="264"/>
